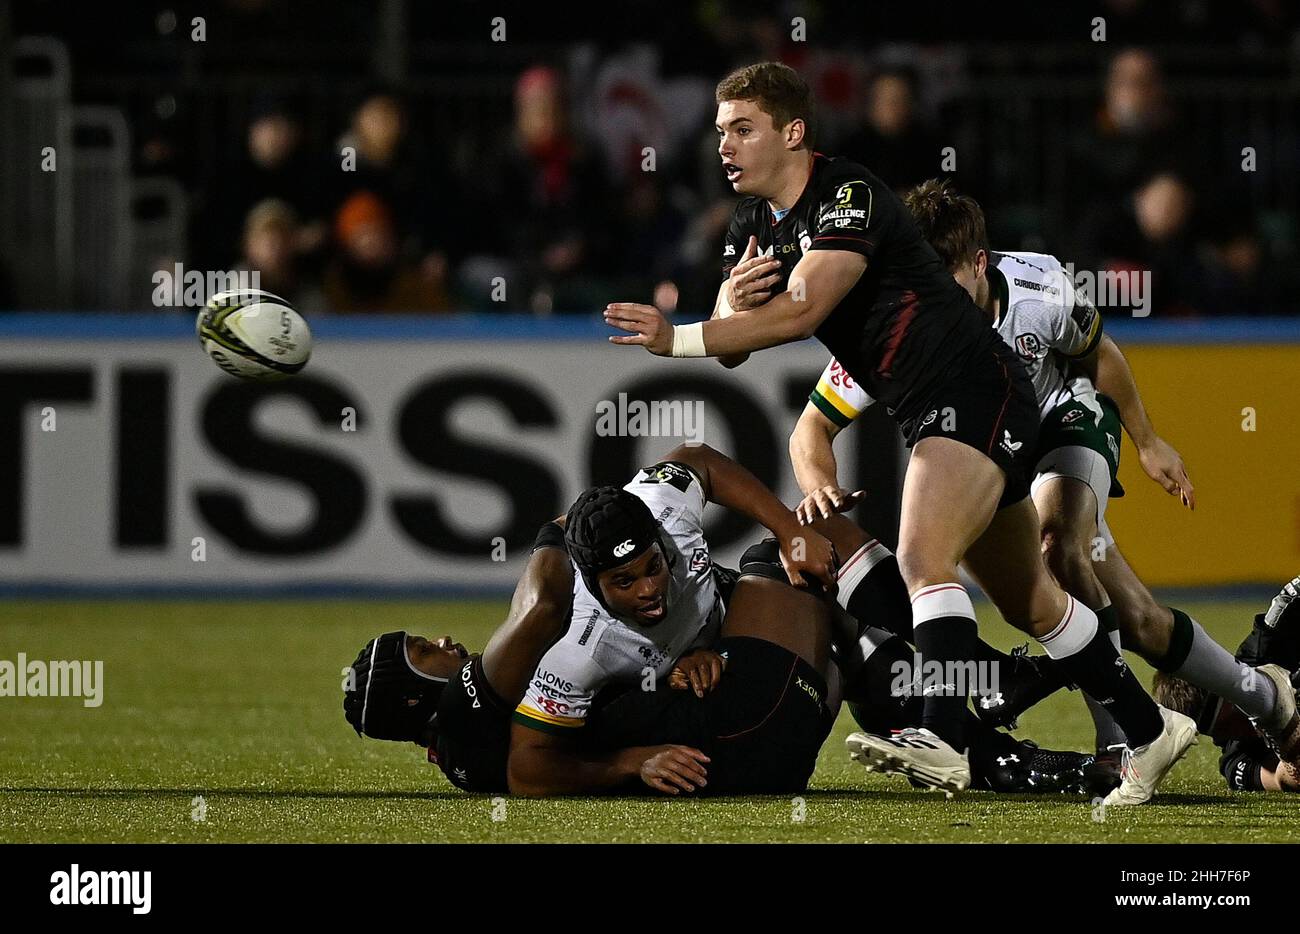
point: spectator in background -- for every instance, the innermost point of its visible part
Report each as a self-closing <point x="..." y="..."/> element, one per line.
<point x="368" y="273"/>
<point x="389" y="165"/>
<point x="894" y="143"/>
<point x="1135" y="130"/>
<point x="1151" y="231"/>
<point x="1242" y="277"/>
<point x="276" y="166"/>
<point x="271" y="247"/>
<point x="551" y="203"/>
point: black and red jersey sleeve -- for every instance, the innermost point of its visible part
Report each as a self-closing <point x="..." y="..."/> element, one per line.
<point x="853" y="214"/>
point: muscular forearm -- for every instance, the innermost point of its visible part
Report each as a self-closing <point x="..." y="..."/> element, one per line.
<point x="812" y="453"/>
<point x="538" y="613"/>
<point x="1115" y="378"/>
<point x="732" y="486"/>
<point x="781" y="321"/>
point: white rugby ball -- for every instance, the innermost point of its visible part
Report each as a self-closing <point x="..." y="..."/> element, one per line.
<point x="254" y="335"/>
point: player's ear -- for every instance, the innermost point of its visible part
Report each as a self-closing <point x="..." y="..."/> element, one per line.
<point x="794" y="133"/>
<point x="981" y="262"/>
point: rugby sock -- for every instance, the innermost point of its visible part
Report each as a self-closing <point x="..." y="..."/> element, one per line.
<point x="881" y="693"/>
<point x="1208" y="665"/>
<point x="944" y="630"/>
<point x="1090" y="660"/>
<point x="872" y="590"/>
<point x="1108" y="731"/>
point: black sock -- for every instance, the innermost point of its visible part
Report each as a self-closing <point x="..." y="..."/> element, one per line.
<point x="945" y="634"/>
<point x="1180" y="643"/>
<point x="1097" y="668"/>
<point x="879" y="598"/>
<point x="870" y="693"/>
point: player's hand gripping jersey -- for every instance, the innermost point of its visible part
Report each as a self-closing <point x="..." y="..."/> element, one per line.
<point x="906" y="328"/>
<point x="599" y="649"/>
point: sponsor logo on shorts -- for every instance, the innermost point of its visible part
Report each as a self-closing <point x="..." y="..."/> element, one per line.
<point x="1113" y="445"/>
<point x="1011" y="447"/>
<point x="699" y="560"/>
<point x="807" y="688"/>
<point x="1072" y="416"/>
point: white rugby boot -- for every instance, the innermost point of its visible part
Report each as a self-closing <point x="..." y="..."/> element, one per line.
<point x="1143" y="769"/>
<point x="915" y="753"/>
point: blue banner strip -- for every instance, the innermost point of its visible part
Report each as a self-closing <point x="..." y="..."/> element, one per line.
<point x="525" y="327"/>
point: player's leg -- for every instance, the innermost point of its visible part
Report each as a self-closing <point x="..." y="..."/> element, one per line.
<point x="950" y="493"/>
<point x="1067" y="505"/>
<point x="1174" y="643"/>
<point x="871" y="591"/>
<point x="1007" y="563"/>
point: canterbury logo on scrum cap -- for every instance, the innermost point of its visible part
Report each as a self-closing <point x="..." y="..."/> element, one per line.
<point x="623" y="549"/>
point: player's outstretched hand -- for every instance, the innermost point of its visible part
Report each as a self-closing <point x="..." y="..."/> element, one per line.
<point x="674" y="769"/>
<point x="1164" y="465"/>
<point x="809" y="555"/>
<point x="826" y="501"/>
<point x="751" y="280"/>
<point x="646" y="325"/>
<point x="699" y="671"/>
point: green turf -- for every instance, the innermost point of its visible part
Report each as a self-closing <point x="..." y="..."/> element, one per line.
<point x="240" y="703"/>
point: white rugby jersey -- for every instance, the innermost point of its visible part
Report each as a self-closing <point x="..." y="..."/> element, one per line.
<point x="600" y="649"/>
<point x="1041" y="319"/>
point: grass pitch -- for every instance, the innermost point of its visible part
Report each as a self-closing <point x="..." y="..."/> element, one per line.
<point x="239" y="704"/>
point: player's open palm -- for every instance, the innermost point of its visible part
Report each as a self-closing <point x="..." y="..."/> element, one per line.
<point x="698" y="671"/>
<point x="645" y="324"/>
<point x="1164" y="465"/>
<point x="809" y="556"/>
<point x="674" y="769"/>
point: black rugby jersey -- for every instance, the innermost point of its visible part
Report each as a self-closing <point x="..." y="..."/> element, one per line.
<point x="907" y="326"/>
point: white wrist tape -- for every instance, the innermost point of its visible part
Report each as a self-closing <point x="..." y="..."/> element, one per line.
<point x="688" y="340"/>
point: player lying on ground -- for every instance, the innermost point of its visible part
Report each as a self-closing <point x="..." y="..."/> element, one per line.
<point x="1032" y="305"/>
<point x="854" y="271"/>
<point x="432" y="693"/>
<point x="1248" y="762"/>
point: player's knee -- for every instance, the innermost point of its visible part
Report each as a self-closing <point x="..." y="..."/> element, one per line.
<point x="1066" y="557"/>
<point x="919" y="568"/>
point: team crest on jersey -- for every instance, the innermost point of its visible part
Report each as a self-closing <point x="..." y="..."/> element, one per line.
<point x="1029" y="346"/>
<point x="699" y="561"/>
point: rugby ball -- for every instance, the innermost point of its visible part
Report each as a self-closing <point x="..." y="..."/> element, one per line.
<point x="254" y="335"/>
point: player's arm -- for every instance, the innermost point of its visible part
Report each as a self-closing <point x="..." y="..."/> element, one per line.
<point x="729" y="484"/>
<point x="812" y="453"/>
<point x="818" y="283"/>
<point x="748" y="285"/>
<point x="539" y="612"/>
<point x="1112" y="375"/>
<point x="543" y="765"/>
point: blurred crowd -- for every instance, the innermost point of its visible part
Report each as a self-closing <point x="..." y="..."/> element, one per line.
<point x="603" y="182"/>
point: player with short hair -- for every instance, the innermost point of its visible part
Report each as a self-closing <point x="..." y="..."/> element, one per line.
<point x="1248" y="762"/>
<point x="1032" y="304"/>
<point x="854" y="271"/>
